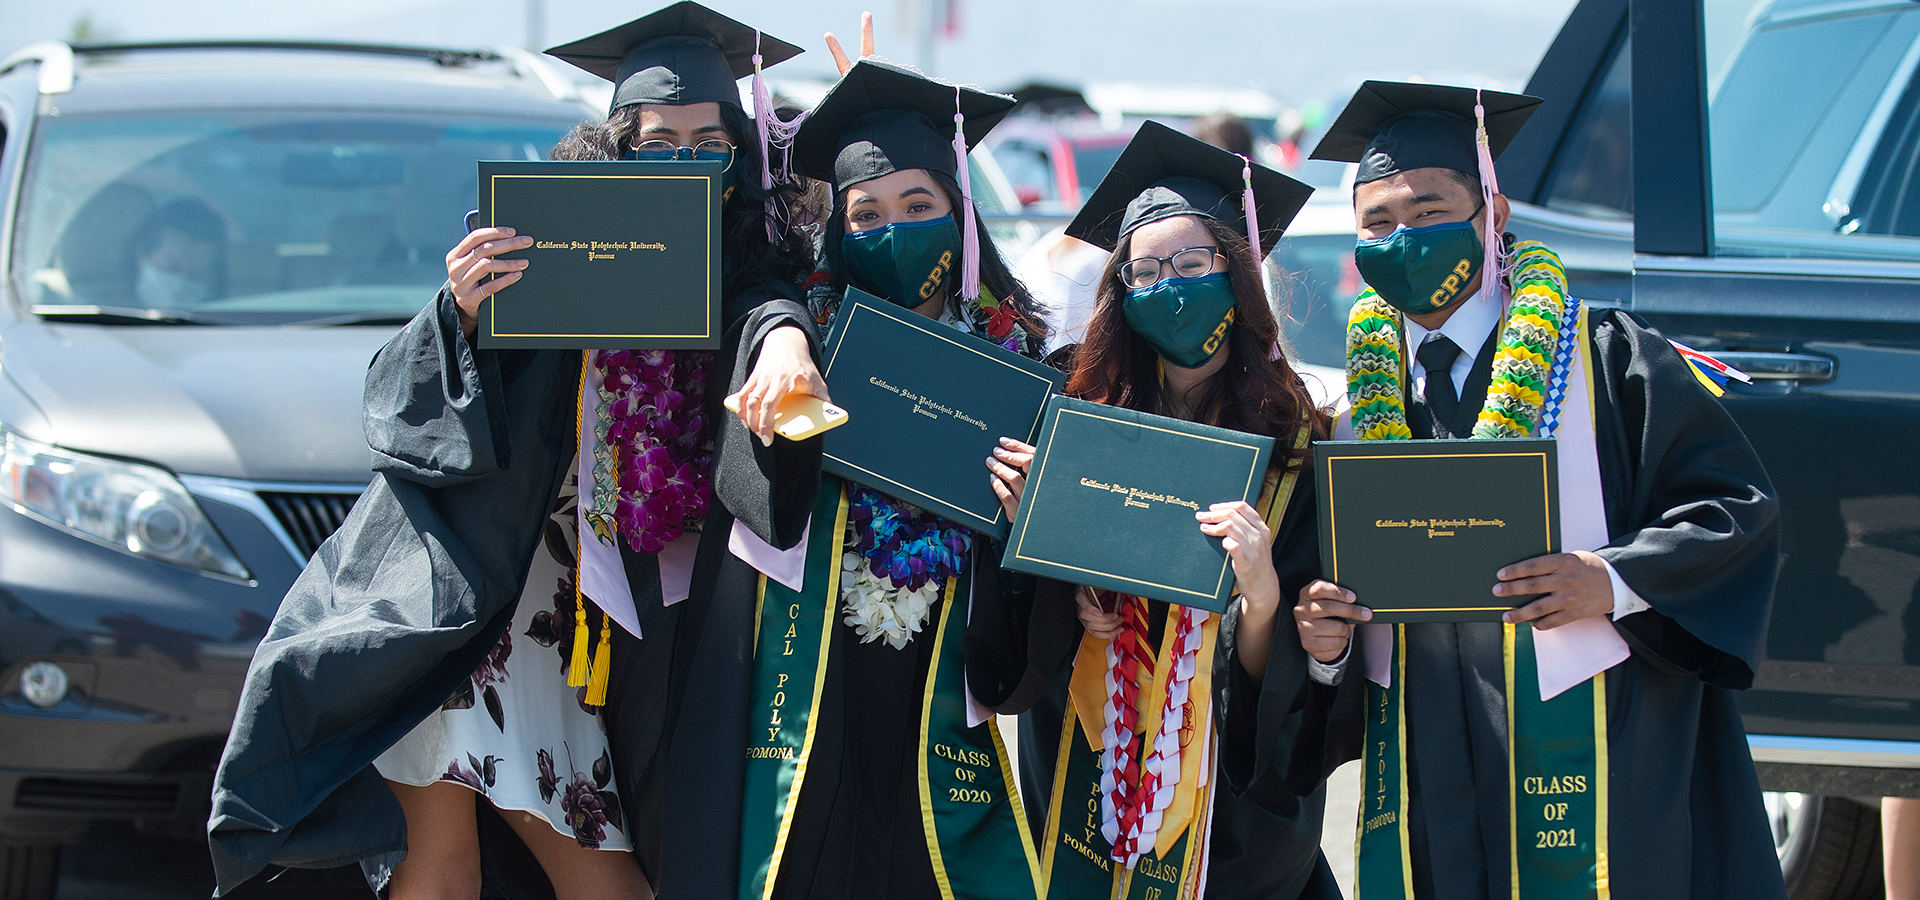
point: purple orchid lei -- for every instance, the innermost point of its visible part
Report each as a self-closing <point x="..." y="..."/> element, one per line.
<point x="652" y="406"/>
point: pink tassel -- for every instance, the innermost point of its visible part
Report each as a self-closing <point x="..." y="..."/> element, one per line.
<point x="1247" y="203"/>
<point x="763" y="115"/>
<point x="1493" y="274"/>
<point x="774" y="135"/>
<point x="969" y="231"/>
<point x="1251" y="207"/>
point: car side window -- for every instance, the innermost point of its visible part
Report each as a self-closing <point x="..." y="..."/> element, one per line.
<point x="1810" y="128"/>
<point x="1592" y="175"/>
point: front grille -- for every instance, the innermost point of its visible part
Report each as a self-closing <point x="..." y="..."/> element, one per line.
<point x="309" y="518"/>
<point x="100" y="797"/>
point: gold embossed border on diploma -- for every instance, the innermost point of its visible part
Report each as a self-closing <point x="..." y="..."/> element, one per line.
<point x="1444" y="490"/>
<point x="960" y="340"/>
<point x="493" y="180"/>
<point x="1019" y="540"/>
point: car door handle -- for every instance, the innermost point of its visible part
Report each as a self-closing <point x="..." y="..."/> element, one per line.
<point x="1761" y="365"/>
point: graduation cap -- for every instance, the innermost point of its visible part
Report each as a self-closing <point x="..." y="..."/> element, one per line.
<point x="882" y="118"/>
<point x="1163" y="173"/>
<point x="682" y="54"/>
<point x="1391" y="127"/>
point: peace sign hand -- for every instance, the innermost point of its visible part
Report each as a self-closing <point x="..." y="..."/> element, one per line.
<point x="866" y="44"/>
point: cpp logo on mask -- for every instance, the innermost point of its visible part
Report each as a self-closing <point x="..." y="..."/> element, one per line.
<point x="935" y="277"/>
<point x="1450" y="288"/>
<point x="1219" y="334"/>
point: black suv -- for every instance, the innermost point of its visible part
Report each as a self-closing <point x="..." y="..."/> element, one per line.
<point x="202" y="247"/>
<point x="1745" y="175"/>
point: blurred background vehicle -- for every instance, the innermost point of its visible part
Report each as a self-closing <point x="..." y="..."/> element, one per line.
<point x="204" y="245"/>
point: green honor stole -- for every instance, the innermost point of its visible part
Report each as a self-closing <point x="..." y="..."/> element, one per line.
<point x="976" y="829"/>
<point x="1556" y="783"/>
<point x="1556" y="747"/>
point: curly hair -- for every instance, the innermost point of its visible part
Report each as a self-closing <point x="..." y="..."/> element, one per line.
<point x="1254" y="392"/>
<point x="747" y="258"/>
<point x="995" y="275"/>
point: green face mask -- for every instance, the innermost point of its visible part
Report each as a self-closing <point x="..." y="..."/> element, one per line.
<point x="1185" y="320"/>
<point x="906" y="262"/>
<point x="1421" y="270"/>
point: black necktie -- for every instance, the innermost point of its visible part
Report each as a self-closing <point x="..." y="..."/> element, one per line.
<point x="1437" y="355"/>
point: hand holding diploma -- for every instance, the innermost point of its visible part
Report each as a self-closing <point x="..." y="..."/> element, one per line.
<point x="472" y="260"/>
<point x="1576" y="586"/>
<point x="1007" y="469"/>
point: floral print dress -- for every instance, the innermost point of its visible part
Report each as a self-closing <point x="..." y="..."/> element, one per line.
<point x="516" y="733"/>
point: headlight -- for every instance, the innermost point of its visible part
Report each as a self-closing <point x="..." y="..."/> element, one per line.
<point x="140" y="509"/>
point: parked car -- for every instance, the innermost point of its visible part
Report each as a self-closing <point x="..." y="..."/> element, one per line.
<point x="1054" y="165"/>
<point x="203" y="246"/>
<point x="1768" y="215"/>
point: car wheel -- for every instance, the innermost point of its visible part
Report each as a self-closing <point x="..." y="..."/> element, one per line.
<point x="28" y="872"/>
<point x="1829" y="847"/>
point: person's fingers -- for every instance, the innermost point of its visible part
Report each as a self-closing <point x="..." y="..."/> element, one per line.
<point x="1008" y="475"/>
<point x="475" y="238"/>
<point x="840" y="60"/>
<point x="1539" y="584"/>
<point x="1331" y="609"/>
<point x="1539" y="565"/>
<point x="1535" y="610"/>
<point x="1013" y="457"/>
<point x="489" y="288"/>
<point x="464" y="284"/>
<point x="769" y="410"/>
<point x="1322" y="589"/>
<point x="866" y="35"/>
<point x="1017" y="446"/>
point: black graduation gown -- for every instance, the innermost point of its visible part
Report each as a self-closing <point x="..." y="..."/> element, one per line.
<point x="857" y="830"/>
<point x="1695" y="529"/>
<point x="1265" y="841"/>
<point x="399" y="606"/>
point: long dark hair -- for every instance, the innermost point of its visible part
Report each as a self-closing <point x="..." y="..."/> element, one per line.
<point x="995" y="275"/>
<point x="1253" y="392"/>
<point x="747" y="258"/>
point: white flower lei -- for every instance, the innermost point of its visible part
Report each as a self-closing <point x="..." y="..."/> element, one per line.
<point x="878" y="611"/>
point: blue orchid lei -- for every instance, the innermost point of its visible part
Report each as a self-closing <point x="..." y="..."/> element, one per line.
<point x="897" y="562"/>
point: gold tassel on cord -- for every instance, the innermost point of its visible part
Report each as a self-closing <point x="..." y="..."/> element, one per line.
<point x="577" y="667"/>
<point x="597" y="682"/>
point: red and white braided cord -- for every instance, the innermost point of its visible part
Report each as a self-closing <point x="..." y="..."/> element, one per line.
<point x="1129" y="662"/>
<point x="1160" y="775"/>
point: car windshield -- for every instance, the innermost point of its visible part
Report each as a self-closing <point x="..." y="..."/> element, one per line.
<point x="253" y="217"/>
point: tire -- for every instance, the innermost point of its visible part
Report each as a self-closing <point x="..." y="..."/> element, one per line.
<point x="1829" y="847"/>
<point x="29" y="872"/>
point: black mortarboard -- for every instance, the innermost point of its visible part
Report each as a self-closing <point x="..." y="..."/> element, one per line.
<point x="1391" y="127"/>
<point x="882" y="118"/>
<point x="685" y="53"/>
<point x="1164" y="173"/>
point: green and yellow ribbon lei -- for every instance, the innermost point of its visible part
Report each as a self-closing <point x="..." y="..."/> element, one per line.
<point x="1522" y="364"/>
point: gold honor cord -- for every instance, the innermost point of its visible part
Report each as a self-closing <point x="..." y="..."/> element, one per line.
<point x="793" y="632"/>
<point x="1556" y="749"/>
<point x="976" y="827"/>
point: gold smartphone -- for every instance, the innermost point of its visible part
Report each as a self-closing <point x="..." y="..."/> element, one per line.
<point x="800" y="416"/>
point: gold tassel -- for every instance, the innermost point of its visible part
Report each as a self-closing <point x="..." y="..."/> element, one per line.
<point x="577" y="665"/>
<point x="597" y="682"/>
<point x="577" y="668"/>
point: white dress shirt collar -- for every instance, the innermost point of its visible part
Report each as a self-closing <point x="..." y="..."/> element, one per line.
<point x="1468" y="328"/>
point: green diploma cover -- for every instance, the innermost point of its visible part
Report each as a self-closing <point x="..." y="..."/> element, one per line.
<point x="1110" y="499"/>
<point x="625" y="254"/>
<point x="1417" y="529"/>
<point x="926" y="405"/>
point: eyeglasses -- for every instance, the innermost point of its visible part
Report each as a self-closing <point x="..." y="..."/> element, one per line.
<point x="1144" y="272"/>
<point x="711" y="150"/>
